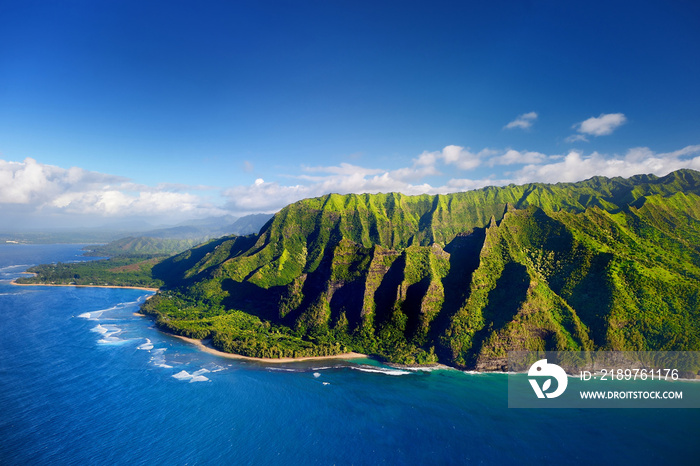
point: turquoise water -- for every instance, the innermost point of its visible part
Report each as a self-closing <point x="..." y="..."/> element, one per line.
<point x="84" y="381"/>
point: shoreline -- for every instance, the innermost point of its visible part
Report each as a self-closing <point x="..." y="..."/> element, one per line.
<point x="14" y="282"/>
<point x="205" y="345"/>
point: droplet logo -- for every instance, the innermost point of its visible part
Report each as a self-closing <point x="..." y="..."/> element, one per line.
<point x="542" y="368"/>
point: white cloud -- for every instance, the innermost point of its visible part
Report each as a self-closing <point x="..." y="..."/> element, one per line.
<point x="641" y="160"/>
<point x="523" y="121"/>
<point x="687" y="150"/>
<point x="32" y="182"/>
<point x="458" y="156"/>
<point x="603" y="125"/>
<point x="50" y="189"/>
<point x="264" y="196"/>
<point x="512" y="157"/>
<point x="576" y="137"/>
<point x="32" y="187"/>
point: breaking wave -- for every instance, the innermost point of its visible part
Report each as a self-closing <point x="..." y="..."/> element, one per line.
<point x="193" y="377"/>
<point x="380" y="370"/>
<point x="146" y="346"/>
<point x="158" y="358"/>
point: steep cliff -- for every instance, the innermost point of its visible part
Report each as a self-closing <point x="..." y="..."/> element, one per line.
<point x="463" y="278"/>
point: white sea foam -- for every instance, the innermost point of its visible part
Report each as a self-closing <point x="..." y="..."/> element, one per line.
<point x="193" y="377"/>
<point x="183" y="375"/>
<point x="129" y="303"/>
<point x="99" y="329"/>
<point x="10" y="267"/>
<point x="380" y="370"/>
<point x="108" y="331"/>
<point x="326" y="383"/>
<point x="113" y="329"/>
<point x="142" y="298"/>
<point x="93" y="315"/>
<point x="111" y="341"/>
<point x="100" y="311"/>
<point x="146" y="346"/>
<point x="158" y="358"/>
<point x="216" y="368"/>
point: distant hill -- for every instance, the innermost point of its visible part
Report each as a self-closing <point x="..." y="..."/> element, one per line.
<point x="167" y="241"/>
<point x="247" y="225"/>
<point x="212" y="227"/>
<point x="195" y="230"/>
<point x="460" y="278"/>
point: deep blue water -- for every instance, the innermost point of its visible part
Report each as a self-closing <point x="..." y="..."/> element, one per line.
<point x="84" y="381"/>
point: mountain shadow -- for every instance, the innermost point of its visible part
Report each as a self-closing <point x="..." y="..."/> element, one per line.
<point x="464" y="250"/>
<point x="385" y="296"/>
<point x="504" y="302"/>
<point x="315" y="284"/>
<point x="250" y="298"/>
<point x="412" y="307"/>
<point x="348" y="299"/>
<point x="592" y="298"/>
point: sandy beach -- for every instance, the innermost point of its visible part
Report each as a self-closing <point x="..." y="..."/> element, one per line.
<point x="204" y="345"/>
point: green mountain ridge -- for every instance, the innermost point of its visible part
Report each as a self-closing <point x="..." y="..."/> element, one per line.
<point x="458" y="278"/>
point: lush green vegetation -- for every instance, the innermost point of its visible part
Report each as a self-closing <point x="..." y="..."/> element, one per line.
<point x="460" y="278"/>
<point x="234" y="331"/>
<point x="143" y="245"/>
<point x="120" y="271"/>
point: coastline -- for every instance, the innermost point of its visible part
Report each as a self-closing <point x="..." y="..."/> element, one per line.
<point x="205" y="345"/>
<point x="14" y="282"/>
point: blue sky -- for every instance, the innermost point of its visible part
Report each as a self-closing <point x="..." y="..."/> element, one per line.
<point x="173" y="110"/>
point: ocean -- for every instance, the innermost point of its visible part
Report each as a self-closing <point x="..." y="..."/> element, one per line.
<point x="85" y="381"/>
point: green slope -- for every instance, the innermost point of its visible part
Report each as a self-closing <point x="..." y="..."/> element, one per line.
<point x="463" y="278"/>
